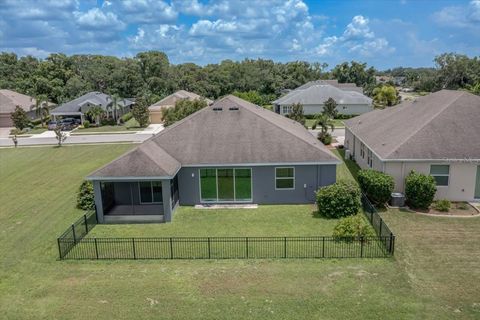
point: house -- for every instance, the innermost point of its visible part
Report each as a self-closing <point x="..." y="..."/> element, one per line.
<point x="230" y="152"/>
<point x="438" y="134"/>
<point x="77" y="108"/>
<point x="312" y="95"/>
<point x="9" y="100"/>
<point x="155" y="110"/>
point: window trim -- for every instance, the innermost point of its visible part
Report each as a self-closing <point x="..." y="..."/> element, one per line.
<point x="362" y="150"/>
<point x="370" y="158"/>
<point x="216" y="185"/>
<point x="284" y="178"/>
<point x="151" y="190"/>
<point x="440" y="174"/>
<point x="287" y="108"/>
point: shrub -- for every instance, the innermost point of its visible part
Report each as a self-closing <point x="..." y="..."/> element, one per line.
<point x="419" y="190"/>
<point x="19" y="118"/>
<point x="377" y="185"/>
<point x="86" y="124"/>
<point x="442" y="205"/>
<point x="325" y="138"/>
<point x="126" y="117"/>
<point x="462" y="206"/>
<point x="107" y="122"/>
<point x="85" y="196"/>
<point x="353" y="227"/>
<point x="340" y="199"/>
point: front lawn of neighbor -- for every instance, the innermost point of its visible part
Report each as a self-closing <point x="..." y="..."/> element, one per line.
<point x="130" y="125"/>
<point x="434" y="274"/>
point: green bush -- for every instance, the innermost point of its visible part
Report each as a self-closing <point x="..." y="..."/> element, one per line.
<point x="353" y="227"/>
<point x="442" y="205"/>
<point x="377" y="185"/>
<point x="85" y="196"/>
<point x="86" y="124"/>
<point x="419" y="190"/>
<point x="325" y="138"/>
<point x="340" y="199"/>
<point x="126" y="117"/>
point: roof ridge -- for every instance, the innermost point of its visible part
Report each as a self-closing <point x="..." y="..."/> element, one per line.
<point x="425" y="123"/>
<point x="153" y="158"/>
<point x="317" y="146"/>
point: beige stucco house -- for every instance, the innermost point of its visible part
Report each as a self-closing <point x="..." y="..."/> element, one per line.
<point x="438" y="134"/>
<point x="155" y="110"/>
<point x="9" y="100"/>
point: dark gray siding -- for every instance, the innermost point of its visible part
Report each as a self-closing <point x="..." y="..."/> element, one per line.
<point x="308" y="179"/>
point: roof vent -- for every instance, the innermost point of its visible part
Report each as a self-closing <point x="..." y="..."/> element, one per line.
<point x="233" y="109"/>
<point x="217" y="109"/>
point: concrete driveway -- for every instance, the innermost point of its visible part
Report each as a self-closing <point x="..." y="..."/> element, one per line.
<point x="4" y="132"/>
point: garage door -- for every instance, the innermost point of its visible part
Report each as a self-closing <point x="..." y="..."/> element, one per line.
<point x="5" y="120"/>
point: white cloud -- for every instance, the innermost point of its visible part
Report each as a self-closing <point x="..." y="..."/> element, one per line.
<point x="465" y="17"/>
<point x="96" y="19"/>
<point x="144" y="11"/>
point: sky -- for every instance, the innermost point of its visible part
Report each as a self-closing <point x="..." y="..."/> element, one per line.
<point x="383" y="34"/>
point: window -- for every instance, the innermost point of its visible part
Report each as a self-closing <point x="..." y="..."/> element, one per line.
<point x="362" y="150"/>
<point x="226" y="185"/>
<point x="150" y="192"/>
<point x="285" y="178"/>
<point x="440" y="173"/>
<point x="369" y="158"/>
<point x="287" y="109"/>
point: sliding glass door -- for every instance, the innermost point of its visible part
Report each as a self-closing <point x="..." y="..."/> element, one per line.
<point x="226" y="185"/>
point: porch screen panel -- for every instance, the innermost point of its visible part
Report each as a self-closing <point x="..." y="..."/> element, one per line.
<point x="225" y="185"/>
<point x="157" y="191"/>
<point x="145" y="192"/>
<point x="208" y="184"/>
<point x="243" y="185"/>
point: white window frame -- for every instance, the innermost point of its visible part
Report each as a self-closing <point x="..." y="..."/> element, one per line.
<point x="440" y="174"/>
<point x="284" y="178"/>
<point x="234" y="186"/>
<point x="151" y="190"/>
<point x="286" y="109"/>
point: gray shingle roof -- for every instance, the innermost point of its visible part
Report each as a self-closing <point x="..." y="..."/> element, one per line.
<point x="96" y="98"/>
<point x="10" y="99"/>
<point x="343" y="86"/>
<point x="319" y="93"/>
<point x="443" y="125"/>
<point x="248" y="135"/>
<point x="170" y="100"/>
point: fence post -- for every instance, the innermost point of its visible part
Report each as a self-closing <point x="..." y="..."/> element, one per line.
<point x="86" y="223"/>
<point x="246" y="245"/>
<point x="285" y="247"/>
<point x="74" y="236"/>
<point x="208" y="247"/>
<point x="96" y="247"/>
<point x="59" y="249"/>
<point x="133" y="247"/>
<point x="171" y="248"/>
<point x="361" y="247"/>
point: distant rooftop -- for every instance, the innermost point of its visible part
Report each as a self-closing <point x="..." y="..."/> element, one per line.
<point x="170" y="100"/>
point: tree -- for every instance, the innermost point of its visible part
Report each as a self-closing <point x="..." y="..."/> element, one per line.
<point x="325" y="123"/>
<point x="20" y="118"/>
<point x="330" y="108"/>
<point x="385" y="95"/>
<point x="140" y="111"/>
<point x="94" y="114"/>
<point x="354" y="72"/>
<point x="297" y="113"/>
<point x="41" y="107"/>
<point x="59" y="134"/>
<point x="182" y="109"/>
<point x="475" y="89"/>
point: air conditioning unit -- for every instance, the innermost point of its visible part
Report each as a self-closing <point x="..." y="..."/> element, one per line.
<point x="347" y="154"/>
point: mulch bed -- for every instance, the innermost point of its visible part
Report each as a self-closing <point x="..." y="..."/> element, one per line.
<point x="455" y="211"/>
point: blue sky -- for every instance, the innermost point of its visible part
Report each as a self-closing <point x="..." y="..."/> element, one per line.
<point x="382" y="33"/>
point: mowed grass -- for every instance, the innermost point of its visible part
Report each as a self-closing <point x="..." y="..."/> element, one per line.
<point x="434" y="275"/>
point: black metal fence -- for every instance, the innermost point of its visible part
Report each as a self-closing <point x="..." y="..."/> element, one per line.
<point x="380" y="227"/>
<point x="72" y="244"/>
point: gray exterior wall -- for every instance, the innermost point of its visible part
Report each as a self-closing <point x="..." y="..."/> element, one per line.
<point x="308" y="179"/>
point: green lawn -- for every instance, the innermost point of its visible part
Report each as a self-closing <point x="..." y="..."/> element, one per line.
<point x="35" y="130"/>
<point x="348" y="169"/>
<point x="434" y="275"/>
<point x="130" y="125"/>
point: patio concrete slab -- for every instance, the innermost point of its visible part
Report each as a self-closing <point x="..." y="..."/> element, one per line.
<point x="227" y="206"/>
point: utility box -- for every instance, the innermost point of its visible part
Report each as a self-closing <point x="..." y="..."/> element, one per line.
<point x="397" y="199"/>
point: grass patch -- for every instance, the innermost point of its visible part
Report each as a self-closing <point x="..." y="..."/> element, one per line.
<point x="348" y="169"/>
<point x="35" y="130"/>
<point x="131" y="125"/>
<point x="338" y="123"/>
<point x="433" y="275"/>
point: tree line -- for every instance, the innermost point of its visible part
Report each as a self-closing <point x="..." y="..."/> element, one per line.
<point x="150" y="75"/>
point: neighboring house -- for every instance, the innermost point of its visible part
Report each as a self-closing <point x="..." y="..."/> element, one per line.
<point x="438" y="134"/>
<point x="312" y="95"/>
<point x="77" y="108"/>
<point x="230" y="152"/>
<point x="9" y="100"/>
<point x="155" y="110"/>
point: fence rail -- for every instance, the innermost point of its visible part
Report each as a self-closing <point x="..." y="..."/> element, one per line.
<point x="73" y="244"/>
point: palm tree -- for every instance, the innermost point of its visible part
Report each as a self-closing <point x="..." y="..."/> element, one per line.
<point x="41" y="107"/>
<point x="325" y="123"/>
<point x="94" y="113"/>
